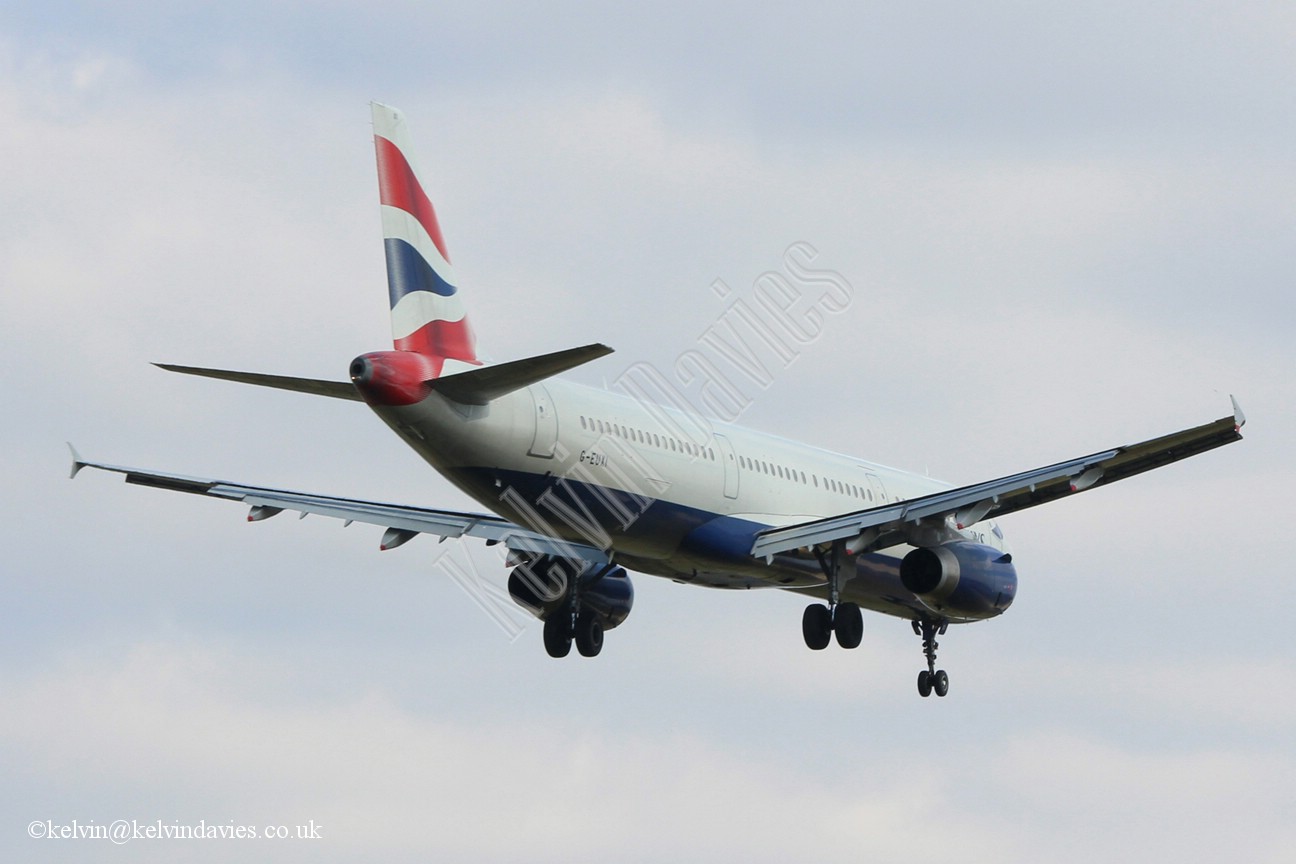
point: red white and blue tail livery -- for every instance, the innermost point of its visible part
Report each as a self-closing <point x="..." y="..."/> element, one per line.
<point x="427" y="312"/>
<point x="584" y="484"/>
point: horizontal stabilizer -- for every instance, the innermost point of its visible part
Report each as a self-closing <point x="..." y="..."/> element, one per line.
<point x="479" y="386"/>
<point x="335" y="389"/>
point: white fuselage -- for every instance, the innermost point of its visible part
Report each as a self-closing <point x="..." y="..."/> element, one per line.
<point x="663" y="491"/>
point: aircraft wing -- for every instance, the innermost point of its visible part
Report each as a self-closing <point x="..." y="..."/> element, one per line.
<point x="402" y="522"/>
<point x="903" y="521"/>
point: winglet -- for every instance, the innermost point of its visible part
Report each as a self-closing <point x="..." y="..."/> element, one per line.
<point x="77" y="464"/>
<point x="1239" y="419"/>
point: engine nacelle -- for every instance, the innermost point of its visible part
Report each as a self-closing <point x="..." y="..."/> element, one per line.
<point x="965" y="580"/>
<point x="542" y="587"/>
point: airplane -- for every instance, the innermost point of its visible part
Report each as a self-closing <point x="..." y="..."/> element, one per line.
<point x="584" y="484"/>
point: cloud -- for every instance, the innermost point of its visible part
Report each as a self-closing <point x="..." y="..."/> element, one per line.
<point x="1065" y="230"/>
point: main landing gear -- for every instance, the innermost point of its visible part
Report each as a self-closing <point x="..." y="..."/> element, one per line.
<point x="844" y="620"/>
<point x="931" y="678"/>
<point x="821" y="623"/>
<point x="577" y="601"/>
<point x="566" y="625"/>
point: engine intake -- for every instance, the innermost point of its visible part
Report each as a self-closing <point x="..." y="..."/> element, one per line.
<point x="961" y="579"/>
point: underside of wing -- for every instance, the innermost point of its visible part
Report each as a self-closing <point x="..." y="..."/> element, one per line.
<point x="919" y="520"/>
<point x="402" y="522"/>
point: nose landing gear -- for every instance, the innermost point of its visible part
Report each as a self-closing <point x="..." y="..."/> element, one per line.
<point x="931" y="678"/>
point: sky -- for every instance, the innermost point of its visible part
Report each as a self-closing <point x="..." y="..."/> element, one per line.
<point x="1066" y="227"/>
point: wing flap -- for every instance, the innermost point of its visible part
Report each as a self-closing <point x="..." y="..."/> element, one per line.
<point x="265" y="502"/>
<point x="892" y="524"/>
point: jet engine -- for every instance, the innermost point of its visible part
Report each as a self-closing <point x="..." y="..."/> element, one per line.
<point x="961" y="579"/>
<point x="544" y="585"/>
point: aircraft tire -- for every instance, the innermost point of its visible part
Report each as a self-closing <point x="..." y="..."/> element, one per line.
<point x="557" y="634"/>
<point x="941" y="683"/>
<point x="589" y="634"/>
<point x="848" y="625"/>
<point x="924" y="683"/>
<point x="817" y="626"/>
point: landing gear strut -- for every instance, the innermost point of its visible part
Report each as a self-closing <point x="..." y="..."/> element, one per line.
<point x="931" y="678"/>
<point x="820" y="623"/>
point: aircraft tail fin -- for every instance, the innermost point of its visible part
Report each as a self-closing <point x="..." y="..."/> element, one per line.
<point x="427" y="311"/>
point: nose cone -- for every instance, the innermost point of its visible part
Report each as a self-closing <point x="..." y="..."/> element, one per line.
<point x="393" y="377"/>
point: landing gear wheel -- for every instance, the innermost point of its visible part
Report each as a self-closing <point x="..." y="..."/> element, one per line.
<point x="817" y="626"/>
<point x="557" y="634"/>
<point x="931" y="678"/>
<point x="589" y="634"/>
<point x="848" y="625"/>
